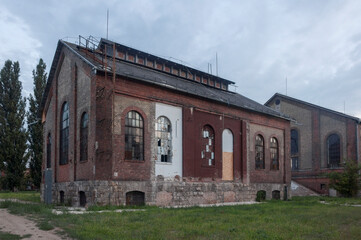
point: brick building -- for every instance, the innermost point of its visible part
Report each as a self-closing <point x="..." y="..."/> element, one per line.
<point x="122" y="126"/>
<point x="321" y="140"/>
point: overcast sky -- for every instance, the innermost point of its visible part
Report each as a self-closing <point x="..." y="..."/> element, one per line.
<point x="315" y="45"/>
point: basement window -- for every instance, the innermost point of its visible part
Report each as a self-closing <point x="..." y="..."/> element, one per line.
<point x="163" y="133"/>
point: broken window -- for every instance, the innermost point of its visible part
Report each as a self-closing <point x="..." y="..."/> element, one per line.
<point x="259" y="149"/>
<point x="135" y="198"/>
<point x="134" y="142"/>
<point x="207" y="153"/>
<point x="294" y="149"/>
<point x="274" y="154"/>
<point x="333" y="151"/>
<point x="64" y="134"/>
<point x="84" y="137"/>
<point x="163" y="133"/>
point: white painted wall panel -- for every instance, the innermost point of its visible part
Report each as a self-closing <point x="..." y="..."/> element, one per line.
<point x="174" y="114"/>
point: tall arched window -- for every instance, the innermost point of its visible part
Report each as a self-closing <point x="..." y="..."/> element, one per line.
<point x="134" y="141"/>
<point x="294" y="149"/>
<point x="163" y="133"/>
<point x="64" y="134"/>
<point x="333" y="151"/>
<point x="84" y="137"/>
<point x="207" y="142"/>
<point x="274" y="154"/>
<point x="259" y="149"/>
<point x="48" y="151"/>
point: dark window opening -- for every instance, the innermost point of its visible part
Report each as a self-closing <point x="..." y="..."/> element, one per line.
<point x="294" y="142"/>
<point x="276" y="195"/>
<point x="163" y="132"/>
<point x="333" y="151"/>
<point x="274" y="154"/>
<point x="323" y="186"/>
<point x="259" y="149"/>
<point x="64" y="134"/>
<point x="135" y="198"/>
<point x="82" y="199"/>
<point x="61" y="197"/>
<point x="294" y="163"/>
<point x="84" y="137"/>
<point x="48" y="151"/>
<point x="207" y="143"/>
<point x="134" y="142"/>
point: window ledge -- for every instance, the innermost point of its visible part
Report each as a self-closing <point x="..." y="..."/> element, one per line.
<point x="163" y="163"/>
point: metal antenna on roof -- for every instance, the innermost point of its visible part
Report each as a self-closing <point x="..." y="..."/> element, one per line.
<point x="107" y="21"/>
<point x="216" y="64"/>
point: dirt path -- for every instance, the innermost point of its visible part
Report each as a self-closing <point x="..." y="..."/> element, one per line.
<point x="19" y="225"/>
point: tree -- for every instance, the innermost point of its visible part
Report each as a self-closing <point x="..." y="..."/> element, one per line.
<point x="34" y="124"/>
<point x="347" y="182"/>
<point x="12" y="133"/>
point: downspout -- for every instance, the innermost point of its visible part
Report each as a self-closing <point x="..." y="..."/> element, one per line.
<point x="357" y="142"/>
<point x="75" y="116"/>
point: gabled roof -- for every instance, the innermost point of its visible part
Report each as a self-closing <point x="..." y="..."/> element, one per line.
<point x="281" y="96"/>
<point x="149" y="75"/>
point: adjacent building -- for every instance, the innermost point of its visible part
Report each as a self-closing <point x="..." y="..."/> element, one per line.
<point x="321" y="140"/>
<point x="122" y="126"/>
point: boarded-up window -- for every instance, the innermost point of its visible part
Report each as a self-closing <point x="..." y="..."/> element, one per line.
<point x="64" y="134"/>
<point x="134" y="142"/>
<point x="84" y="137"/>
<point x="207" y="153"/>
<point x="259" y="150"/>
<point x="163" y="132"/>
<point x="333" y="151"/>
<point x="274" y="154"/>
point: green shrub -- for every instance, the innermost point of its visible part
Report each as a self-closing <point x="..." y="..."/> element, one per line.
<point x="261" y="196"/>
<point x="347" y="182"/>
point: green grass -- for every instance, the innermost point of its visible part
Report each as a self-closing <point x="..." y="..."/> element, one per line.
<point x="9" y="236"/>
<point x="30" y="196"/>
<point x="301" y="218"/>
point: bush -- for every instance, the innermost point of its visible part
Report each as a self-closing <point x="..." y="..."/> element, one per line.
<point x="347" y="182"/>
<point x="261" y="196"/>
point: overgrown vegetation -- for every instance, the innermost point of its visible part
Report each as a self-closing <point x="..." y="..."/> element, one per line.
<point x="13" y="135"/>
<point x="347" y="182"/>
<point x="29" y="196"/>
<point x="300" y="218"/>
<point x="35" y="128"/>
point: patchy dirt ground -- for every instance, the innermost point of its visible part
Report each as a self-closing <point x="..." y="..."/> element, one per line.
<point x="19" y="225"/>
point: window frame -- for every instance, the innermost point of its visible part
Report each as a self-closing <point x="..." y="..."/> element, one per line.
<point x="84" y="137"/>
<point x="274" y="153"/>
<point x="259" y="163"/>
<point x="129" y="133"/>
<point x="295" y="156"/>
<point x="208" y="149"/>
<point x="335" y="164"/>
<point x="64" y="134"/>
<point x="163" y="134"/>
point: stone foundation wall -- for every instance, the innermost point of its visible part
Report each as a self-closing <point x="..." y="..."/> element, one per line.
<point x="162" y="193"/>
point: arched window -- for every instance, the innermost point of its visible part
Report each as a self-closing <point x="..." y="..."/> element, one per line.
<point x="259" y="149"/>
<point x="48" y="151"/>
<point x="333" y="151"/>
<point x="84" y="137"/>
<point x="294" y="149"/>
<point x="163" y="133"/>
<point x="274" y="154"/>
<point x="134" y="142"/>
<point x="207" y="142"/>
<point x="64" y="134"/>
